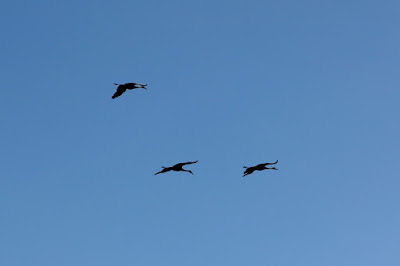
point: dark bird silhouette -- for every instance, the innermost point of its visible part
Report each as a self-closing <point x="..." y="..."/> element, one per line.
<point x="176" y="167"/>
<point x="127" y="86"/>
<point x="258" y="167"/>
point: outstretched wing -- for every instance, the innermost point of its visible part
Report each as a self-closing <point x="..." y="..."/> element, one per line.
<point x="249" y="170"/>
<point x="121" y="89"/>
<point x="182" y="164"/>
<point x="163" y="171"/>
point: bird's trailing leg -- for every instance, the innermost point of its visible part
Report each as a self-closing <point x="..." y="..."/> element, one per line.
<point x="188" y="171"/>
<point x="142" y="86"/>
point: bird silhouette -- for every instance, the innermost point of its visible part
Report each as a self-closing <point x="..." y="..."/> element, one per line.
<point x="176" y="167"/>
<point x="127" y="86"/>
<point x="258" y="167"/>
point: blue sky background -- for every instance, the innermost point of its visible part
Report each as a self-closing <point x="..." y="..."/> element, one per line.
<point x="314" y="84"/>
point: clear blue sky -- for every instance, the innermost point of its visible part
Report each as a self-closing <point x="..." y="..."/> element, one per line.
<point x="314" y="84"/>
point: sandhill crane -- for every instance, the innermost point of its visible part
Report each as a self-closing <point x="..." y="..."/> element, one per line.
<point x="258" y="167"/>
<point x="176" y="167"/>
<point x="127" y="86"/>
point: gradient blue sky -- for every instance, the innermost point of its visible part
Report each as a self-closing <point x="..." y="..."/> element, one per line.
<point x="314" y="84"/>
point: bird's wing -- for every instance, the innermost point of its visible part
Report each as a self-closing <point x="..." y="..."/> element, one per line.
<point x="249" y="171"/>
<point x="163" y="171"/>
<point x="121" y="89"/>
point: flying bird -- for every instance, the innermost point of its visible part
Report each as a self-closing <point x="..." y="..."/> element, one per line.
<point x="127" y="86"/>
<point x="176" y="167"/>
<point x="259" y="167"/>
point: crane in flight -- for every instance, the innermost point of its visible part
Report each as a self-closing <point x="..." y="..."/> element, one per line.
<point x="176" y="167"/>
<point x="127" y="86"/>
<point x="258" y="167"/>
